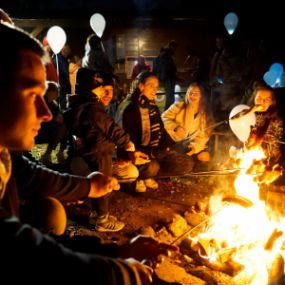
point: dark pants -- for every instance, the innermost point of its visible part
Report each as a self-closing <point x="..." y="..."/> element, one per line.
<point x="53" y="133"/>
<point x="79" y="166"/>
<point x="169" y="86"/>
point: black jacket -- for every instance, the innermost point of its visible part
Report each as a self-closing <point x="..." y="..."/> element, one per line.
<point x="28" y="256"/>
<point x="97" y="131"/>
<point x="30" y="180"/>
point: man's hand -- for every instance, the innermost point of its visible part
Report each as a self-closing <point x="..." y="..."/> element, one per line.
<point x="129" y="146"/>
<point x="101" y="184"/>
<point x="144" y="271"/>
<point x="144" y="247"/>
<point x="139" y="157"/>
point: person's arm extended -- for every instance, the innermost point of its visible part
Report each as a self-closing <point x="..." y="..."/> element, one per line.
<point x="27" y="253"/>
<point x="34" y="180"/>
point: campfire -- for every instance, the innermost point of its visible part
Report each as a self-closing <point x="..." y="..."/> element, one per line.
<point x="242" y="236"/>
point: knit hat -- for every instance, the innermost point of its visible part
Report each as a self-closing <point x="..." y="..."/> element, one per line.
<point x="88" y="79"/>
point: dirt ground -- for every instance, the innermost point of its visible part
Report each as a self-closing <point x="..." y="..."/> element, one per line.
<point x="153" y="208"/>
<point x="151" y="212"/>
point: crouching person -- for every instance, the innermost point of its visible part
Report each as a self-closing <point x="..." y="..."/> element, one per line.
<point x="23" y="247"/>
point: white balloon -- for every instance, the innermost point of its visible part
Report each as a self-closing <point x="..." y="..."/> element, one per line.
<point x="231" y="22"/>
<point x="241" y="126"/>
<point x="56" y="38"/>
<point x="98" y="24"/>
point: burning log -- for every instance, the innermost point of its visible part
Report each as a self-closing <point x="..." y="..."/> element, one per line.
<point x="239" y="200"/>
<point x="198" y="252"/>
<point x="276" y="234"/>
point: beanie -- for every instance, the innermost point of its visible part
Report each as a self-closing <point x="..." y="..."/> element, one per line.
<point x="88" y="79"/>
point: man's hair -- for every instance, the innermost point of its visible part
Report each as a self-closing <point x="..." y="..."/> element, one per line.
<point x="52" y="86"/>
<point x="14" y="41"/>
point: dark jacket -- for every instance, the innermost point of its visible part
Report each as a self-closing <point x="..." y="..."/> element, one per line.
<point x="164" y="66"/>
<point x="29" y="256"/>
<point x="132" y="123"/>
<point x="30" y="180"/>
<point x="97" y="131"/>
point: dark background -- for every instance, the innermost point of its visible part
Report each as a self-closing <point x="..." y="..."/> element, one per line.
<point x="256" y="19"/>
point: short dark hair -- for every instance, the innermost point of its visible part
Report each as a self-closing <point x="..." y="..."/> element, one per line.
<point x="15" y="41"/>
<point x="52" y="86"/>
<point x="88" y="79"/>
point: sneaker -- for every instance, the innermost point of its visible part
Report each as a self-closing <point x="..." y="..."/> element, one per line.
<point x="140" y="186"/>
<point x="108" y="223"/>
<point x="151" y="183"/>
<point x="125" y="170"/>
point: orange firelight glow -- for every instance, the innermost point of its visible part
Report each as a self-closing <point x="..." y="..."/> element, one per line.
<point x="251" y="236"/>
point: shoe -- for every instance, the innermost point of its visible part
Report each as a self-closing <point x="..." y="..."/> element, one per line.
<point x="125" y="170"/>
<point x="140" y="186"/>
<point x="151" y="183"/>
<point x="93" y="218"/>
<point x="108" y="223"/>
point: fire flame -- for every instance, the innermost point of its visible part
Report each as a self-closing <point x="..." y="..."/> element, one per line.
<point x="245" y="237"/>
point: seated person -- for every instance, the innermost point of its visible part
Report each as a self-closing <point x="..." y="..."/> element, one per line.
<point x="97" y="136"/>
<point x="23" y="247"/>
<point x="53" y="132"/>
<point x="268" y="129"/>
<point x="141" y="119"/>
<point x="189" y="122"/>
<point x="265" y="134"/>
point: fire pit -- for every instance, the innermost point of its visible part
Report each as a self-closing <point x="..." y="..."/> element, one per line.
<point x="241" y="237"/>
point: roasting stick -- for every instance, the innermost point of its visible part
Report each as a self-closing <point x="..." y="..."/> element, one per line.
<point x="202" y="173"/>
<point x="229" y="200"/>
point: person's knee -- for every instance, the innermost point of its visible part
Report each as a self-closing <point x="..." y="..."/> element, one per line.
<point x="46" y="214"/>
<point x="152" y="169"/>
<point x="204" y="156"/>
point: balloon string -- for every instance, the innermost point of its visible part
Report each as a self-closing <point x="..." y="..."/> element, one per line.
<point x="57" y="70"/>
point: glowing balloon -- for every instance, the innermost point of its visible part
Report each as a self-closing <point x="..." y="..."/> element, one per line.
<point x="278" y="68"/>
<point x="231" y="22"/>
<point x="56" y="38"/>
<point x="282" y="80"/>
<point x="98" y="24"/>
<point x="241" y="127"/>
<point x="270" y="77"/>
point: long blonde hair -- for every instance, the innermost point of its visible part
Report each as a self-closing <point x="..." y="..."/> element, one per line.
<point x="204" y="105"/>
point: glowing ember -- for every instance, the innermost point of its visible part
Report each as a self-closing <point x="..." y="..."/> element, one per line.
<point x="243" y="233"/>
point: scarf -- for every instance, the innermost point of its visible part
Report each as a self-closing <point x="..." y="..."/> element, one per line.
<point x="151" y="123"/>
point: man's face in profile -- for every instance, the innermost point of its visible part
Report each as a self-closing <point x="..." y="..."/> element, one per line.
<point x="24" y="109"/>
